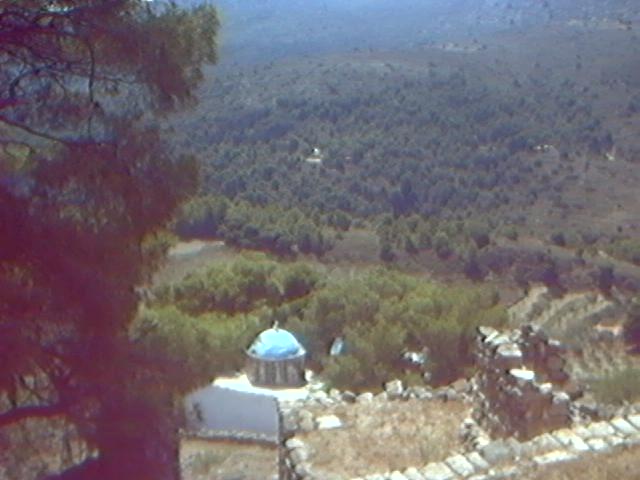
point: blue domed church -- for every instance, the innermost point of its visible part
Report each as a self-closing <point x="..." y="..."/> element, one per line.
<point x="276" y="360"/>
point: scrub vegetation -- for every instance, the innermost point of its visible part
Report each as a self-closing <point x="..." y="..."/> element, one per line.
<point x="211" y="316"/>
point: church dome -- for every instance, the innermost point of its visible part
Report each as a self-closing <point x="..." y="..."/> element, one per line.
<point x="276" y="344"/>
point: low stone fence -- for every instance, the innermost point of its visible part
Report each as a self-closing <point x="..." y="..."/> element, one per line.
<point x="232" y="435"/>
<point x="520" y="385"/>
<point x="299" y="416"/>
<point x="498" y="459"/>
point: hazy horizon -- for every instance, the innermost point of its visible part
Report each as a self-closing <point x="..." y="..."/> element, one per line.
<point x="258" y="31"/>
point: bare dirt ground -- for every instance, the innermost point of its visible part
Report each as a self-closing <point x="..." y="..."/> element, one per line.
<point x="386" y="436"/>
<point x="209" y="460"/>
<point x="621" y="465"/>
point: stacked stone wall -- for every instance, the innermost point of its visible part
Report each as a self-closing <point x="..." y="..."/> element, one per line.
<point x="520" y="387"/>
<point x="315" y="413"/>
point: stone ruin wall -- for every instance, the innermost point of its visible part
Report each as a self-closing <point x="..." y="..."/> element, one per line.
<point x="521" y="387"/>
<point x="307" y="415"/>
<point x="527" y="414"/>
<point x="482" y="458"/>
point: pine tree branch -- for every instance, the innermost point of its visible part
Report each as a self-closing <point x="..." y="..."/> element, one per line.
<point x="32" y="411"/>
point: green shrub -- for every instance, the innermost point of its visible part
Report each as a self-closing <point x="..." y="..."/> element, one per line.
<point x="558" y="238"/>
<point x="242" y="285"/>
<point x="282" y="231"/>
<point x="372" y="354"/>
<point x="381" y="314"/>
<point x="619" y="387"/>
<point x="202" y="346"/>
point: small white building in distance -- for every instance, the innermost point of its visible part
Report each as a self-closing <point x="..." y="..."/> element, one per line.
<point x="316" y="157"/>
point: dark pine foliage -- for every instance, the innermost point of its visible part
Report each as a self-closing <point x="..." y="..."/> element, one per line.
<point x="85" y="183"/>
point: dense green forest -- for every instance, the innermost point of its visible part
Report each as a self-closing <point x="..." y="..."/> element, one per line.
<point x="436" y="142"/>
<point x="473" y="145"/>
<point x="84" y="182"/>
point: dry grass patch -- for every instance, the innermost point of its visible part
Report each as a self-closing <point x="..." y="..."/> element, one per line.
<point x="620" y="465"/>
<point x="386" y="436"/>
<point x="219" y="460"/>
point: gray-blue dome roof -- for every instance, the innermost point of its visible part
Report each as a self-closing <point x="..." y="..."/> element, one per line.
<point x="276" y="344"/>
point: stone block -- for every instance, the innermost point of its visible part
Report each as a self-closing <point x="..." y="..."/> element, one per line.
<point x="304" y="414"/>
<point x="598" y="444"/>
<point x="413" y="474"/>
<point x="299" y="455"/>
<point x="614" y="440"/>
<point x="554" y="456"/>
<point x="437" y="471"/>
<point x="476" y="459"/>
<point x="509" y="351"/>
<point x="422" y="393"/>
<point x="294" y="443"/>
<point x="394" y="388"/>
<point x="382" y="397"/>
<point x="601" y="429"/>
<point x="544" y="443"/>
<point x="497" y="340"/>
<point x="327" y="422"/>
<point x="460" y="465"/>
<point x="303" y="470"/>
<point x="289" y="423"/>
<point x="487" y="332"/>
<point x="348" y="396"/>
<point x="307" y="424"/>
<point x="366" y="397"/>
<point x="570" y="440"/>
<point x="319" y="395"/>
<point x="461" y="385"/>
<point x="582" y="432"/>
<point x="634" y="420"/>
<point x="623" y="426"/>
<point x="397" y="476"/>
<point x="497" y="451"/>
<point x="326" y="402"/>
<point x="523" y="374"/>
<point x="510" y="471"/>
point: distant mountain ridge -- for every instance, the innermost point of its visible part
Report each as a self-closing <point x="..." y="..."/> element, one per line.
<point x="266" y="30"/>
